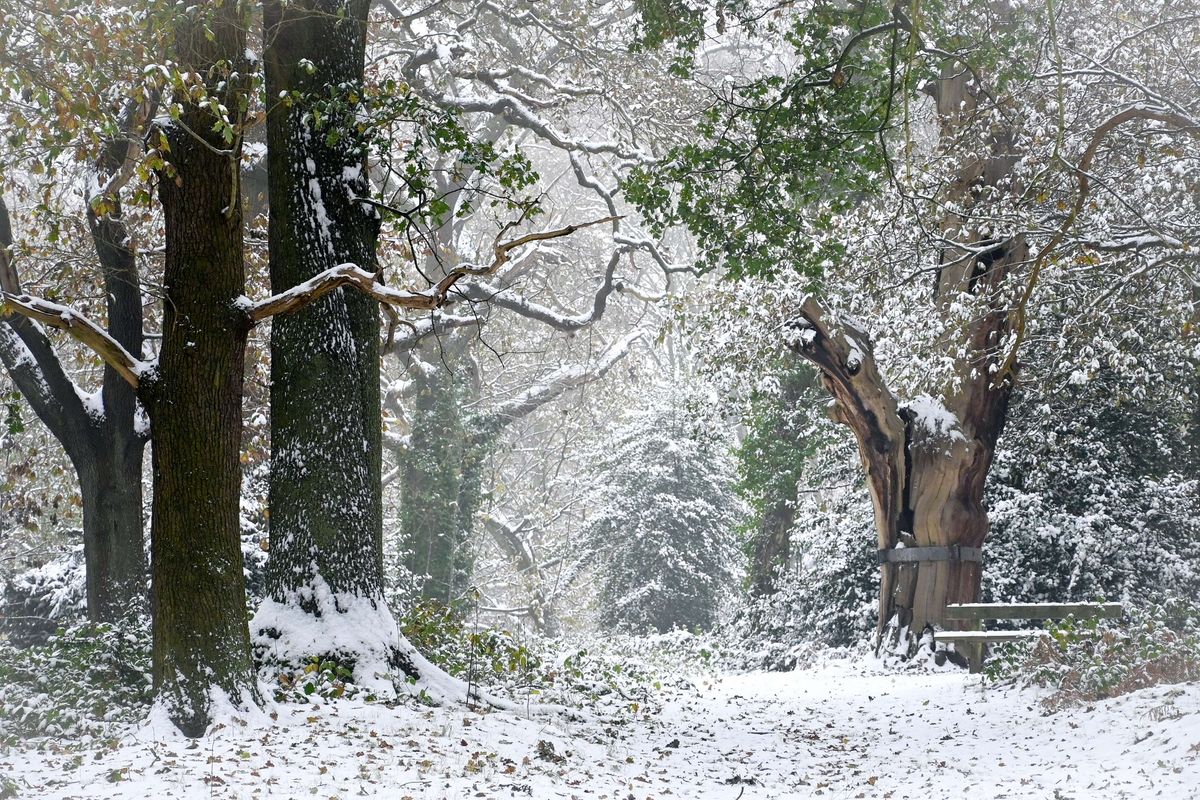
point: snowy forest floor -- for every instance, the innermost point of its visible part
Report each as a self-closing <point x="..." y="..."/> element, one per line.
<point x="846" y="729"/>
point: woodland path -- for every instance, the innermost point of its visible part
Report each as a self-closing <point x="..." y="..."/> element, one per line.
<point x="846" y="729"/>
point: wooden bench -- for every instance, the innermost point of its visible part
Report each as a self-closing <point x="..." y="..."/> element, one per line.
<point x="972" y="642"/>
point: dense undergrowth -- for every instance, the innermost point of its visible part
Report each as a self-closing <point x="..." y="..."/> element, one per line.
<point x="77" y="686"/>
<point x="612" y="677"/>
<point x="87" y="682"/>
<point x="1087" y="661"/>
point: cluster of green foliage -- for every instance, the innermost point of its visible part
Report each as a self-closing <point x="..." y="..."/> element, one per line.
<point x="318" y="678"/>
<point x="625" y="678"/>
<point x="781" y="153"/>
<point x="84" y="680"/>
<point x="779" y="156"/>
<point x="776" y="444"/>
<point x="619" y="678"/>
<point x="676" y="26"/>
<point x="771" y="457"/>
<point x="476" y="654"/>
<point x="1089" y="660"/>
<point x="1094" y="491"/>
<point x="13" y="421"/>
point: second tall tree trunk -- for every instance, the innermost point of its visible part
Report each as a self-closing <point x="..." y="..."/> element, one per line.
<point x="325" y="572"/>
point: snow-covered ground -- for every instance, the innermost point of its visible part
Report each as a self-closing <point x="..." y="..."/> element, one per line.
<point x="846" y="729"/>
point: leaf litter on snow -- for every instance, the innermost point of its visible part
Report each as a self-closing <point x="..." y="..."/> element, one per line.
<point x="844" y="728"/>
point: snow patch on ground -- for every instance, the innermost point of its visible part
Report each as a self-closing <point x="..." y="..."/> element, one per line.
<point x="848" y="728"/>
<point x="341" y="624"/>
<point x="352" y="626"/>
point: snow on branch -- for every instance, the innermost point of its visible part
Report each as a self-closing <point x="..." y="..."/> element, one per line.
<point x="1180" y="122"/>
<point x="321" y="284"/>
<point x="560" y="381"/>
<point x="435" y="324"/>
<point x="80" y="327"/>
<point x="369" y="284"/>
<point x="510" y="300"/>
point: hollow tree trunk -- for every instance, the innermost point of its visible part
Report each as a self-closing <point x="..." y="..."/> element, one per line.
<point x="201" y="641"/>
<point x="325" y="492"/>
<point x="926" y="462"/>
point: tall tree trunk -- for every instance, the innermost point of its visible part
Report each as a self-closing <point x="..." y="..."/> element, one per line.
<point x="441" y="466"/>
<point x="772" y="467"/>
<point x="325" y="495"/>
<point x="771" y="550"/>
<point x="114" y="545"/>
<point x="110" y="490"/>
<point x="201" y="641"/>
<point x="104" y="443"/>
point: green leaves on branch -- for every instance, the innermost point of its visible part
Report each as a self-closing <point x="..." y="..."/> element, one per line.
<point x="415" y="141"/>
<point x="807" y="99"/>
<point x="779" y="438"/>
<point x="779" y="156"/>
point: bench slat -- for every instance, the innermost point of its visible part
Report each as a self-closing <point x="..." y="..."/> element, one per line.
<point x="985" y="636"/>
<point x="984" y="611"/>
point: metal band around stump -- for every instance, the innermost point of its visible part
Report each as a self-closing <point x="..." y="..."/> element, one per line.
<point x="908" y="555"/>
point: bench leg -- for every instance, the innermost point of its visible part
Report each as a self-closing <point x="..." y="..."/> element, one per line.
<point x="974" y="654"/>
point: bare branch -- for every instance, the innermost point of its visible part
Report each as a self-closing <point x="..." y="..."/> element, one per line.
<point x="434" y="297"/>
<point x="561" y="381"/>
<point x="1184" y="124"/>
<point x="512" y="301"/>
<point x="333" y="278"/>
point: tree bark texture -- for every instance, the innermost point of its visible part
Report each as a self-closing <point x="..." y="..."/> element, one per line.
<point x="111" y="492"/>
<point x="110" y="488"/>
<point x="771" y="549"/>
<point x="925" y="476"/>
<point x="201" y="640"/>
<point x="325" y="492"/>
